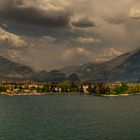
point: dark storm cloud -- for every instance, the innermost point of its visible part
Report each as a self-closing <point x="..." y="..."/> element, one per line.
<point x="79" y="31"/>
<point x="39" y="31"/>
<point x="18" y="12"/>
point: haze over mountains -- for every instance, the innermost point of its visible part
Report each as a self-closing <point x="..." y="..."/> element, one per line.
<point x="122" y="68"/>
<point x="17" y="72"/>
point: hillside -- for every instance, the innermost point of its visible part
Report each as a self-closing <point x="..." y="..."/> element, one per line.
<point x="14" y="71"/>
<point x="122" y="68"/>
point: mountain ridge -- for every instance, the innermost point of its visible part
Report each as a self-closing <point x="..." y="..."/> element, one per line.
<point x="14" y="71"/>
<point x="125" y="67"/>
<point x="122" y="68"/>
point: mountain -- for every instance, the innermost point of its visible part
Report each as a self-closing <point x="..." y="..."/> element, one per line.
<point x="10" y="70"/>
<point x="73" y="78"/>
<point x="68" y="70"/>
<point x="14" y="71"/>
<point x="52" y="76"/>
<point x="122" y="68"/>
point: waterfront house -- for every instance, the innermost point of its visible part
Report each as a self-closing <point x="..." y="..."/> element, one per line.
<point x="85" y="88"/>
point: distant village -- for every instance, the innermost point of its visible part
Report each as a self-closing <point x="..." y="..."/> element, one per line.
<point x="66" y="87"/>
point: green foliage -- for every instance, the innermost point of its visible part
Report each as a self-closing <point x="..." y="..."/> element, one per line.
<point x="46" y="88"/>
<point x="120" y="89"/>
<point x="100" y="88"/>
<point x="3" y="89"/>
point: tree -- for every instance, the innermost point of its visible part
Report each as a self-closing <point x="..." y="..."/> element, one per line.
<point x="101" y="88"/>
<point x="123" y="88"/>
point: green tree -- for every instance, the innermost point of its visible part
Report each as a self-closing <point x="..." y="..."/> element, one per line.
<point x="120" y="89"/>
<point x="100" y="88"/>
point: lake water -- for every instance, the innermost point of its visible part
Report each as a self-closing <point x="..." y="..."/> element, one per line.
<point x="69" y="117"/>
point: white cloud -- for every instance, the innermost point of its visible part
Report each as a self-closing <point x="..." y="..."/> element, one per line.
<point x="69" y="54"/>
<point x="14" y="54"/>
<point x="134" y="12"/>
<point x="111" y="52"/>
<point x="11" y="39"/>
<point x="88" y="40"/>
<point x="48" y="39"/>
<point x="53" y="5"/>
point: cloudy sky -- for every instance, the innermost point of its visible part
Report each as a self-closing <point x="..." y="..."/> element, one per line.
<point x="50" y="34"/>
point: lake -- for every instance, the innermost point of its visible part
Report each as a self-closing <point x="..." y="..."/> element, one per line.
<point x="69" y="117"/>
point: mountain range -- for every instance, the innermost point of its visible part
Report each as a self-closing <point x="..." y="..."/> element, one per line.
<point x="122" y="68"/>
<point x="12" y="71"/>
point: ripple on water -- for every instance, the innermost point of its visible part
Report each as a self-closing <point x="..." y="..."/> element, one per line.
<point x="69" y="117"/>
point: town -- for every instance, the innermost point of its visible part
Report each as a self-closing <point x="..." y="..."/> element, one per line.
<point x="66" y="87"/>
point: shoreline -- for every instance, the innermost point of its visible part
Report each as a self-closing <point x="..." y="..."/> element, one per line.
<point x="112" y="95"/>
<point x="65" y="93"/>
<point x="41" y="94"/>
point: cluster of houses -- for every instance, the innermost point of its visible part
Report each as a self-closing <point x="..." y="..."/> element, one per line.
<point x="40" y="88"/>
<point x="36" y="88"/>
<point x="14" y="88"/>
